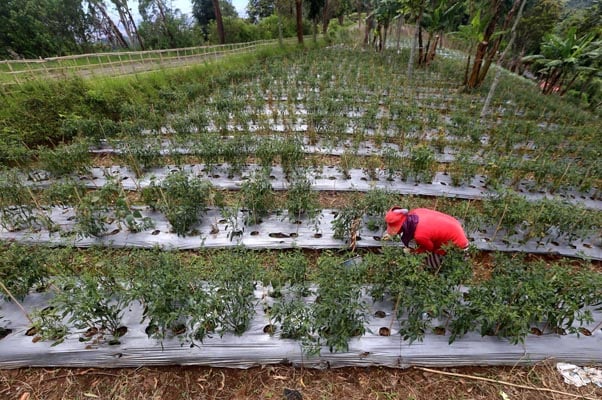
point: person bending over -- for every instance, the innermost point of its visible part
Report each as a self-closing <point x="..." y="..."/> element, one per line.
<point x="430" y="229"/>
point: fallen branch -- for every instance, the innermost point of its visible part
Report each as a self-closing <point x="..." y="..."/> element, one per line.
<point x="479" y="378"/>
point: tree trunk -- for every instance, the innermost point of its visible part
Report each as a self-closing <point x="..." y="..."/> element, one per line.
<point x="219" y="22"/>
<point x="496" y="79"/>
<point x="325" y="16"/>
<point x="427" y="49"/>
<point x="112" y="27"/>
<point x="414" y="44"/>
<point x="134" y="27"/>
<point x="168" y="32"/>
<point x="368" y="27"/>
<point x="432" y="51"/>
<point x="399" y="25"/>
<point x="384" y="37"/>
<point x="299" y="12"/>
<point x="420" y="46"/>
<point x="496" y="45"/>
<point x="473" y="80"/>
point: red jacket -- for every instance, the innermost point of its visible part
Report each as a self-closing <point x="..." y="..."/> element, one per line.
<point x="435" y="229"/>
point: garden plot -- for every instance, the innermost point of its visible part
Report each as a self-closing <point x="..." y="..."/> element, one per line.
<point x="384" y="310"/>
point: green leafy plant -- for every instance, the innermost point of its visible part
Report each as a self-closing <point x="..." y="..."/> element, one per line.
<point x="339" y="312"/>
<point x="98" y="209"/>
<point x="92" y="302"/>
<point x="257" y="196"/>
<point x="302" y="201"/>
<point x="174" y="301"/>
<point x="19" y="207"/>
<point x="22" y="270"/>
<point x="65" y="159"/>
<point x="181" y="198"/>
<point x="422" y="163"/>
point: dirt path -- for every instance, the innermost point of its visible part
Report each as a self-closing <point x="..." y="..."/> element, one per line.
<point x="189" y="382"/>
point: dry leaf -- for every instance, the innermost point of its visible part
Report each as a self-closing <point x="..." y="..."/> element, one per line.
<point x="25" y="396"/>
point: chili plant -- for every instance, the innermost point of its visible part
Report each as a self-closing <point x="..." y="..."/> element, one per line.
<point x="92" y="302"/>
<point x="173" y="300"/>
<point x="22" y="270"/>
<point x="181" y="198"/>
<point x="302" y="201"/>
<point x="235" y="274"/>
<point x="339" y="312"/>
<point x="19" y="208"/>
<point x="257" y="197"/>
<point x="65" y="159"/>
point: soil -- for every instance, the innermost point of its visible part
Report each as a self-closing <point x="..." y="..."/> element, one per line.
<point x="272" y="382"/>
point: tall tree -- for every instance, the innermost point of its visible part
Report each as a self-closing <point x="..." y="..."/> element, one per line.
<point x="219" y="21"/>
<point x="42" y="28"/>
<point x="258" y="9"/>
<point x="204" y="12"/>
<point x="496" y="78"/>
<point x="127" y="20"/>
<point x="103" y="24"/>
<point x="299" y="15"/>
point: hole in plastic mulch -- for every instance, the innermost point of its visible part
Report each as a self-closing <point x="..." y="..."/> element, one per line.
<point x="294" y="235"/>
<point x="377" y="238"/>
<point x="439" y="330"/>
<point x="278" y="235"/>
<point x="4" y="332"/>
<point x="155" y="232"/>
<point x="269" y="329"/>
<point x="380" y="314"/>
<point x="536" y="331"/>
<point x="384" y="331"/>
<point x="317" y="235"/>
<point x="585" y="331"/>
<point x="31" y="331"/>
<point x="254" y="233"/>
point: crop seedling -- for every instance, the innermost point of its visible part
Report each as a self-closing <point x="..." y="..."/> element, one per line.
<point x="422" y="164"/>
<point x="173" y="301"/>
<point x="22" y="270"/>
<point x="140" y="153"/>
<point x="235" y="276"/>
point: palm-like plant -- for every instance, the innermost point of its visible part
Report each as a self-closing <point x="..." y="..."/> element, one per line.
<point x="563" y="59"/>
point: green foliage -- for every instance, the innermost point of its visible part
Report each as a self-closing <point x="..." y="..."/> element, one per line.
<point x="339" y="312"/>
<point x="258" y="197"/>
<point x="422" y="164"/>
<point x="301" y="200"/>
<point x="91" y="302"/>
<point x="65" y="159"/>
<point x="18" y="206"/>
<point x="517" y="297"/>
<point x="174" y="301"/>
<point x="181" y="198"/>
<point x="98" y="209"/>
<point x="235" y="276"/>
<point x="22" y="270"/>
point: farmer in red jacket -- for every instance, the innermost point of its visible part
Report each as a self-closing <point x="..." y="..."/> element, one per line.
<point x="430" y="230"/>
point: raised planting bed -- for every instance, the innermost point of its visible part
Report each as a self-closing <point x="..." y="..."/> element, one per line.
<point x="276" y="231"/>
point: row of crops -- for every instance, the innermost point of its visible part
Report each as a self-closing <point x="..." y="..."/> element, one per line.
<point x="322" y="308"/>
<point x="182" y="198"/>
<point x="310" y="155"/>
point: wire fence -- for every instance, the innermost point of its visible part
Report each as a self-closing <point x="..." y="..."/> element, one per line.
<point x="121" y="63"/>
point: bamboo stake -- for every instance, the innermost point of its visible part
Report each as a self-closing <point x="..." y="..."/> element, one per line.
<point x="16" y="302"/>
<point x="516" y="385"/>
